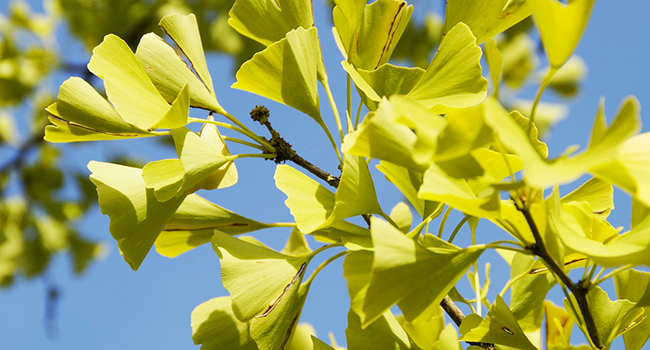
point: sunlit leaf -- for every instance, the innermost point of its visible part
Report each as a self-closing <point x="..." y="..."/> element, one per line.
<point x="561" y="26"/>
<point x="369" y="34"/>
<point x="495" y="64"/>
<point x="633" y="285"/>
<point x="598" y="193"/>
<point x="385" y="81"/>
<point x="402" y="270"/>
<point x="318" y="344"/>
<point x="169" y="73"/>
<point x="225" y="176"/>
<point x="611" y="318"/>
<point x="527" y="294"/>
<point x="267" y="21"/>
<point x="453" y="79"/>
<point x="214" y="327"/>
<point x="256" y="277"/>
<point x="408" y="182"/>
<point x="301" y="338"/>
<point x="127" y="85"/>
<point x="296" y="244"/>
<point x="499" y="327"/>
<point x="82" y="114"/>
<point x="315" y="207"/>
<point x="558" y="326"/>
<point x="357" y="267"/>
<point x="136" y="215"/>
<point x="385" y="333"/>
<point x="485" y="18"/>
<point x="184" y="30"/>
<point x="401" y="215"/>
<point x="198" y="160"/>
<point x="586" y="233"/>
<point x="286" y="72"/>
<point x="630" y="169"/>
<point x="540" y="172"/>
<point x="439" y="187"/>
<point x="426" y="333"/>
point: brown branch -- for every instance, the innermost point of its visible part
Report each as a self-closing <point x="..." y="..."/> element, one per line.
<point x="580" y="293"/>
<point x="285" y="152"/>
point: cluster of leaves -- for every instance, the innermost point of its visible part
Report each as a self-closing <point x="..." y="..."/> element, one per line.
<point x="437" y="135"/>
<point x="33" y="207"/>
<point x="36" y="220"/>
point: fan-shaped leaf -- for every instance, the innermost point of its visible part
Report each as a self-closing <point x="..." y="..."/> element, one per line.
<point x="453" y="79"/>
<point x="406" y="273"/>
<point x="486" y="18"/>
<point x="286" y="72"/>
<point x="137" y="217"/>
<point x="499" y="327"/>
<point x="268" y="21"/>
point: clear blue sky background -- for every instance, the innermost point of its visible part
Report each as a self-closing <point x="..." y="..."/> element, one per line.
<point x="113" y="307"/>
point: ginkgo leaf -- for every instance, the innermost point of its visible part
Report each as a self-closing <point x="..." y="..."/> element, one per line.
<point x="558" y="326"/>
<point x="194" y="222"/>
<point x="499" y="327"/>
<point x="369" y="34"/>
<point x="453" y="79"/>
<point x="495" y="64"/>
<point x="274" y="330"/>
<point x="301" y="338"/>
<point x="401" y="215"/>
<point x="357" y="267"/>
<point x="597" y="192"/>
<point x="528" y="293"/>
<point x="589" y="234"/>
<point x="318" y="344"/>
<point x="137" y="217"/>
<point x="257" y="277"/>
<point x="561" y="26"/>
<point x="315" y="207"/>
<point x="184" y="30"/>
<point x="401" y="131"/>
<point x="169" y="73"/>
<point x="214" y="327"/>
<point x="540" y="172"/>
<point x="402" y="270"/>
<point x="310" y="203"/>
<point x="286" y="72"/>
<point x="165" y="177"/>
<point x="296" y="244"/>
<point x="174" y="243"/>
<point x="226" y="175"/>
<point x="127" y="85"/>
<point x="385" y="333"/>
<point x="486" y="18"/>
<point x="425" y="334"/>
<point x="197" y="213"/>
<point x="385" y="81"/>
<point x="630" y="168"/>
<point x="611" y="318"/>
<point x="78" y="102"/>
<point x="173" y="177"/>
<point x="439" y="187"/>
<point x="408" y="182"/>
<point x="268" y="21"/>
<point x="633" y="286"/>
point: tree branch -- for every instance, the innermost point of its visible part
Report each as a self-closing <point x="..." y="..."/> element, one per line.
<point x="580" y="293"/>
<point x="285" y="152"/>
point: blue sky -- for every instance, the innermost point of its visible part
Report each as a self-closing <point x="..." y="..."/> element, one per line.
<point x="113" y="307"/>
